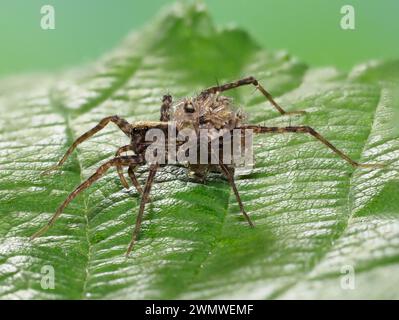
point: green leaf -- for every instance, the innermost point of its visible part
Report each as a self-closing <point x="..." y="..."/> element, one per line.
<point x="314" y="215"/>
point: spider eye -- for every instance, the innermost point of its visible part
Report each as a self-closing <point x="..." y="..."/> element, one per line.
<point x="189" y="108"/>
<point x="145" y="128"/>
<point x="135" y="130"/>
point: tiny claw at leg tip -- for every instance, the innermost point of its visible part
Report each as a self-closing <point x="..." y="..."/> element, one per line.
<point x="251" y="224"/>
<point x="39" y="232"/>
<point x="33" y="237"/>
<point x="47" y="171"/>
<point x="127" y="254"/>
<point x="129" y="251"/>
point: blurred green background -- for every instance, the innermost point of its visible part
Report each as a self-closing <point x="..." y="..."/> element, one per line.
<point x="86" y="29"/>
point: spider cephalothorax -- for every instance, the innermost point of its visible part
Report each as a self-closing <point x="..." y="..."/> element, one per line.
<point x="209" y="112"/>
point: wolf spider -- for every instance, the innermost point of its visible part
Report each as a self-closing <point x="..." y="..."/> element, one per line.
<point x="209" y="109"/>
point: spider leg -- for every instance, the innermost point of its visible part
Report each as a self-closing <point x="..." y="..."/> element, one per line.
<point x="144" y="200"/>
<point x="130" y="171"/>
<point x="121" y="123"/>
<point x="165" y="108"/>
<point x="119" y="168"/>
<point x="254" y="82"/>
<point x="230" y="178"/>
<point x="134" y="180"/>
<point x="120" y="161"/>
<point x="315" y="134"/>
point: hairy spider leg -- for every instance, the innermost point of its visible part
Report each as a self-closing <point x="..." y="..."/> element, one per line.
<point x="315" y="134"/>
<point x="230" y="178"/>
<point x="130" y="171"/>
<point x="120" y="161"/>
<point x="144" y="200"/>
<point x="254" y="82"/>
<point x="125" y="126"/>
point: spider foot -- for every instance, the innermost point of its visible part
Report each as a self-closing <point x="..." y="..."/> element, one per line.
<point x="48" y="170"/>
<point x="39" y="232"/>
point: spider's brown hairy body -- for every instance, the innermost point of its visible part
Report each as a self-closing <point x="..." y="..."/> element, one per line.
<point x="209" y="110"/>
